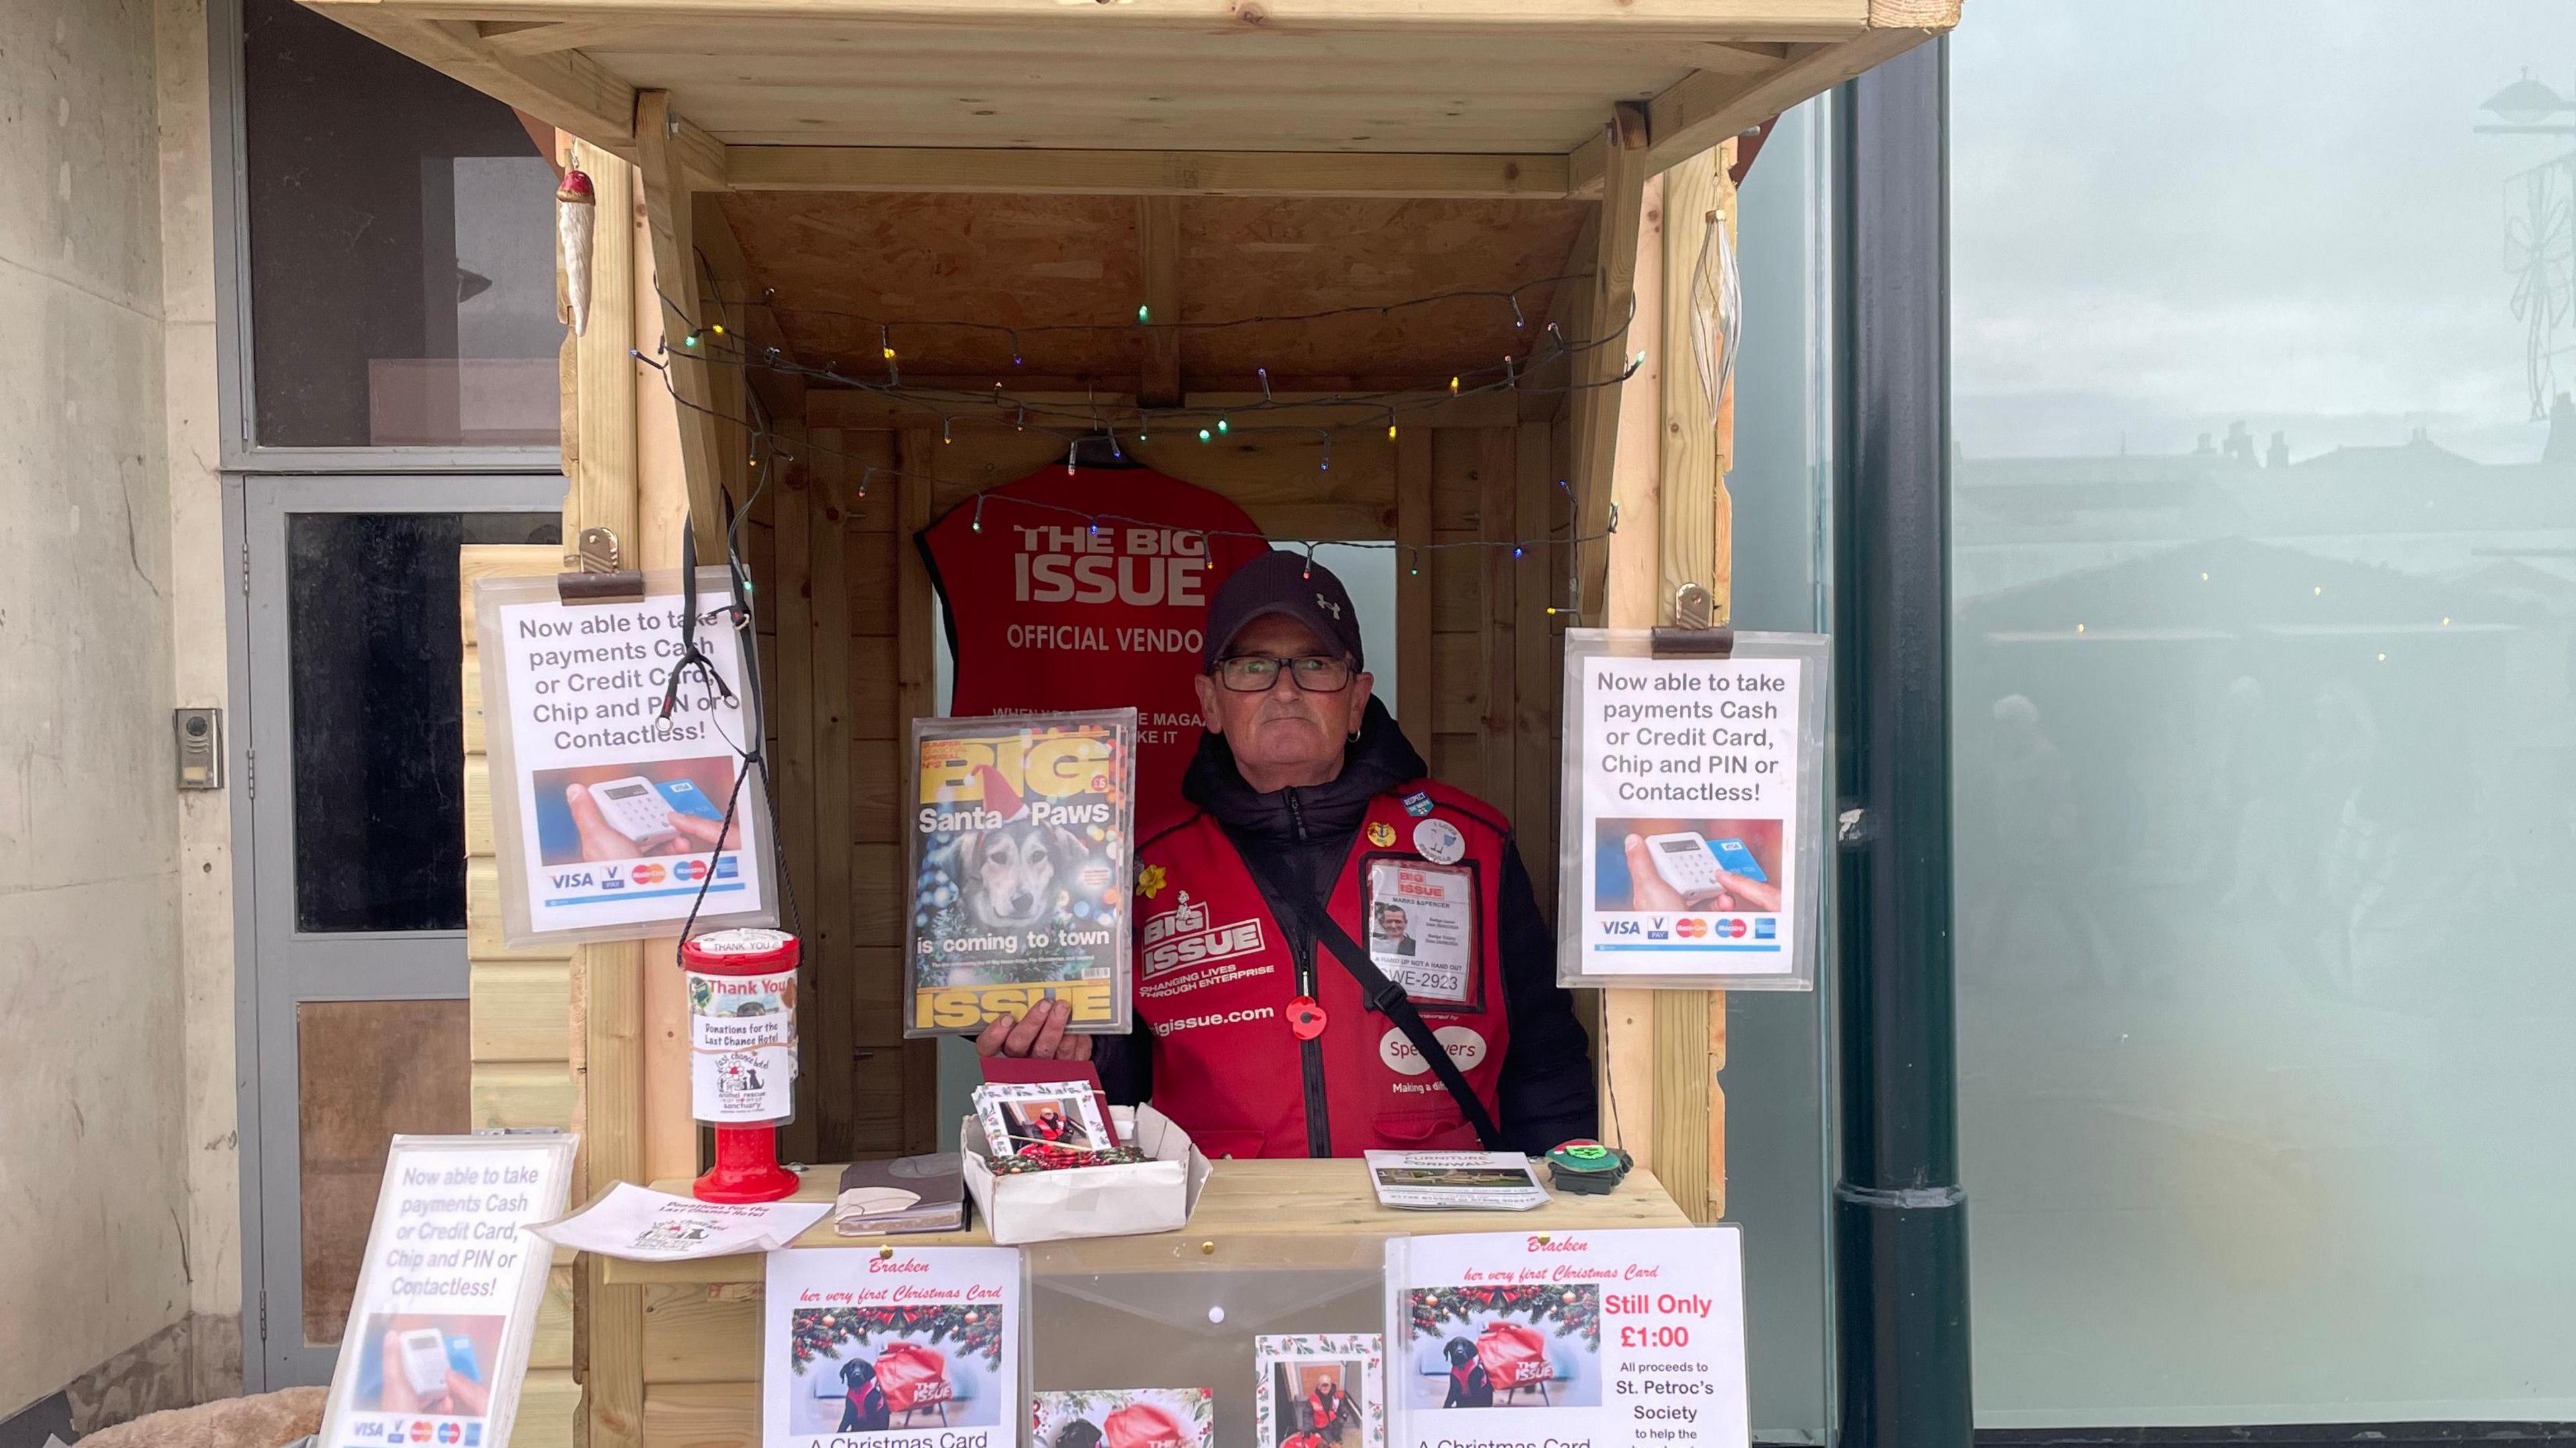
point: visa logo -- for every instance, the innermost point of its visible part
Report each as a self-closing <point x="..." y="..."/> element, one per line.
<point x="1619" y="927"/>
<point x="572" y="879"/>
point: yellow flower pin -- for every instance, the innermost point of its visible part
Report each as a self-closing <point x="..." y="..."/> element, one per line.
<point x="1150" y="880"/>
<point x="1381" y="834"/>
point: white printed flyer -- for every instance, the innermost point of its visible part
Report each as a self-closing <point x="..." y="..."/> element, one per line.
<point x="1692" y="800"/>
<point x="446" y="1304"/>
<point x="1460" y="1181"/>
<point x="608" y="817"/>
<point x="1526" y="1340"/>
<point x="643" y="1225"/>
<point x="892" y="1347"/>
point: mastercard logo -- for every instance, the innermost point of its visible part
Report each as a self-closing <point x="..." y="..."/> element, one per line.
<point x="1690" y="929"/>
<point x="648" y="874"/>
<point x="419" y="1431"/>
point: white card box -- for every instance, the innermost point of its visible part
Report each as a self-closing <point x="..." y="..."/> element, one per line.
<point x="1092" y="1201"/>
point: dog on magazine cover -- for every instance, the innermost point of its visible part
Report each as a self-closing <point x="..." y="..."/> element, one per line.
<point x="1009" y="877"/>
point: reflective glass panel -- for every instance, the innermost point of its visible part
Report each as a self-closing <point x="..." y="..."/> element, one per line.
<point x="2265" y="575"/>
<point x="376" y="652"/>
<point x="401" y="248"/>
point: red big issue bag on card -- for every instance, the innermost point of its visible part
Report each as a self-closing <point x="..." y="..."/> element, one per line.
<point x="1047" y="612"/>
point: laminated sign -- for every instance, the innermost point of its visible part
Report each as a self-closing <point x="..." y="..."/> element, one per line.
<point x="901" y="1347"/>
<point x="445" y="1311"/>
<point x="1543" y="1339"/>
<point x="1023" y="846"/>
<point x="1693" y="811"/>
<point x="608" y="817"/>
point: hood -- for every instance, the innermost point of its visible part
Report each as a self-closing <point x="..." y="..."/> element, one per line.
<point x="1379" y="760"/>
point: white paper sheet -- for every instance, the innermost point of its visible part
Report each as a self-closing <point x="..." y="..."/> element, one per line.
<point x="643" y="1225"/>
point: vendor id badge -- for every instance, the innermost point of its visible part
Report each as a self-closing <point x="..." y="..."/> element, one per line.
<point x="1422" y="929"/>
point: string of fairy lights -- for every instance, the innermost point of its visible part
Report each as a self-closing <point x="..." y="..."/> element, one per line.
<point x="714" y="343"/>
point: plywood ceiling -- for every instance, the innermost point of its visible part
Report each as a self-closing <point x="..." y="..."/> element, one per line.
<point x="841" y="262"/>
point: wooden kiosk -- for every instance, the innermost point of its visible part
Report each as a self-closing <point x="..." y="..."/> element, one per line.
<point x="795" y="172"/>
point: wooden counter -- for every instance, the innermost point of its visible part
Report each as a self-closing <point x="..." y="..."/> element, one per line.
<point x="1248" y="1212"/>
<point x="701" y="1328"/>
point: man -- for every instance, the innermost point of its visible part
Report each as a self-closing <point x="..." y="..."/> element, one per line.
<point x="1392" y="928"/>
<point x="1254" y="1031"/>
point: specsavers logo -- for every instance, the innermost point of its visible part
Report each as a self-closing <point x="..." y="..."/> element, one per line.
<point x="1465" y="1047"/>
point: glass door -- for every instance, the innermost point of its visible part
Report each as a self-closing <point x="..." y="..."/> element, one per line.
<point x="355" y="774"/>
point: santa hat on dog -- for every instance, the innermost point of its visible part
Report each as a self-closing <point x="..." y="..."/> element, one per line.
<point x="998" y="794"/>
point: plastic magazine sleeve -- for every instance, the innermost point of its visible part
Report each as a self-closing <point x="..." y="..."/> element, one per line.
<point x="1021" y="838"/>
<point x="1696" y="812"/>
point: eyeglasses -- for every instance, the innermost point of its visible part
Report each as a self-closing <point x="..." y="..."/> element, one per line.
<point x="1259" y="673"/>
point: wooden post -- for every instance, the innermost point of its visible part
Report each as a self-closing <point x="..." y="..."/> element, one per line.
<point x="670" y="217"/>
<point x="1606" y="340"/>
<point x="1415" y="688"/>
<point x="1697" y="535"/>
<point x="1158" y="245"/>
<point x="1646" y="1114"/>
<point x="608" y="980"/>
<point x="916" y="614"/>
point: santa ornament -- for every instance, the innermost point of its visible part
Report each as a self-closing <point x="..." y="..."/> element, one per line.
<point x="576" y="221"/>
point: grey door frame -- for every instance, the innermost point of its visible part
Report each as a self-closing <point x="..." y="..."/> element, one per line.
<point x="276" y="965"/>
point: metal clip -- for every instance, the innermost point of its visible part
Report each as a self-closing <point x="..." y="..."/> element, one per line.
<point x="1697" y="643"/>
<point x="597" y="578"/>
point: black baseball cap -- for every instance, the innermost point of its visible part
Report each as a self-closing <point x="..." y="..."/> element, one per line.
<point x="1291" y="585"/>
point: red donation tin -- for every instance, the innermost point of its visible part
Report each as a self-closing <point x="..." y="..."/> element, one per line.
<point x="742" y="1056"/>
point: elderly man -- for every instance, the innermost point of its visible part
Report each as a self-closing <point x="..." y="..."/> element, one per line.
<point x="1263" y="1026"/>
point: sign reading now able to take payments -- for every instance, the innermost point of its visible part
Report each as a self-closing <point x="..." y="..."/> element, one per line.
<point x="1693" y="798"/>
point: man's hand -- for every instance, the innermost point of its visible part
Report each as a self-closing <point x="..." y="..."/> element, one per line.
<point x="1039" y="1034"/>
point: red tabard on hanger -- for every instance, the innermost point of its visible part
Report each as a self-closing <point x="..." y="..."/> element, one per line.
<point x="1048" y="611"/>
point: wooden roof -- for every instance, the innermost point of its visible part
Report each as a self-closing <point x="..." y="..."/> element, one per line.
<point x="1418" y="98"/>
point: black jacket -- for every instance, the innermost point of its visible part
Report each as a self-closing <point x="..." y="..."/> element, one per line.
<point x="1546" y="1094"/>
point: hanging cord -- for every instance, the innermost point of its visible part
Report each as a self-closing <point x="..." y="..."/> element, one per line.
<point x="752" y="749"/>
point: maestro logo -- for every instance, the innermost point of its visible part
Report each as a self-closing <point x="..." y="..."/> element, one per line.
<point x="1465" y="1047"/>
<point x="690" y="870"/>
<point x="1731" y="928"/>
<point x="1691" y="929"/>
<point x="448" y="1433"/>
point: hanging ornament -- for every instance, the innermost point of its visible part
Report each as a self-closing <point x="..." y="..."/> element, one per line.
<point x="576" y="221"/>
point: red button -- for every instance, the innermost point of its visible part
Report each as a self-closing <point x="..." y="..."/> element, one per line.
<point x="1306" y="1018"/>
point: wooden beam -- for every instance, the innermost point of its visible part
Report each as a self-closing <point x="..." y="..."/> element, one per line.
<point x="1145" y="173"/>
<point x="1158" y="249"/>
<point x="1678" y="19"/>
<point x="670" y="216"/>
<point x="569" y="89"/>
<point x="1706" y="107"/>
<point x="1693" y="485"/>
<point x="550" y="37"/>
<point x="1607" y="341"/>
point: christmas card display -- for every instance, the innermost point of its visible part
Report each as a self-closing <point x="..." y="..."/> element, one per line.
<point x="1034" y="1116"/>
<point x="859" y="1345"/>
<point x="1611" y="1337"/>
<point x="1023" y="840"/>
<point x="1321" y="1390"/>
<point x="1123" y="1418"/>
<point x="1148" y="1185"/>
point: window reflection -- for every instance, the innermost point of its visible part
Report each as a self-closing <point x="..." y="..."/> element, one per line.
<point x="401" y="248"/>
<point x="2265" y="573"/>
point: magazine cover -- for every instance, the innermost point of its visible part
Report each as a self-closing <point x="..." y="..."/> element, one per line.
<point x="1023" y="846"/>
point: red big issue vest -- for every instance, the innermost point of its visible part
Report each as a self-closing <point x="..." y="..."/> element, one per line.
<point x="1215" y="976"/>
